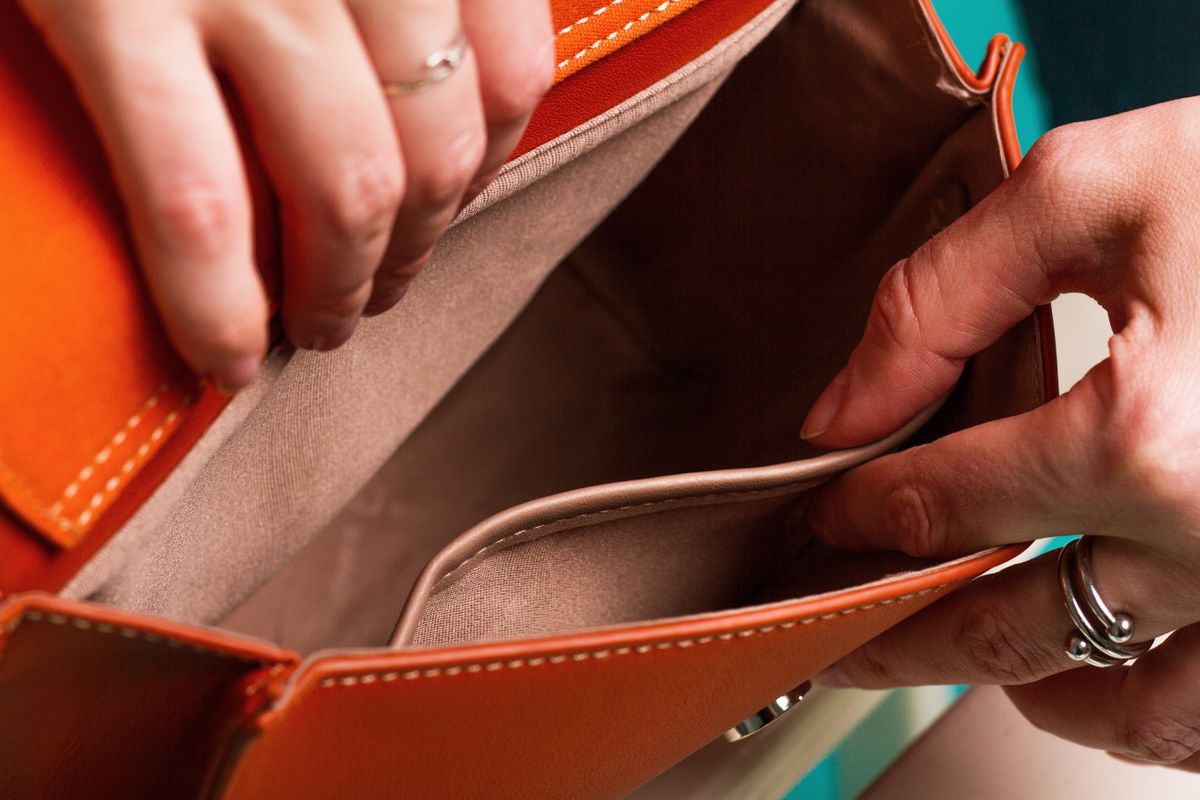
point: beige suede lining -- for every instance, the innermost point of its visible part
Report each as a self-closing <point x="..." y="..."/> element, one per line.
<point x="296" y="446"/>
<point x="690" y="331"/>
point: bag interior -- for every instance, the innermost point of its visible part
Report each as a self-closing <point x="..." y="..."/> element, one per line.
<point x="691" y="331"/>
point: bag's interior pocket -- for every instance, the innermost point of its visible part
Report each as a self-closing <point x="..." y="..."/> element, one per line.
<point x="690" y="332"/>
<point x="655" y="560"/>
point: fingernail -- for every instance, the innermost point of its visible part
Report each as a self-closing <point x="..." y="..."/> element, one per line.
<point x="833" y="678"/>
<point x="379" y="305"/>
<point x="826" y="409"/>
<point x="331" y="341"/>
<point x="1127" y="759"/>
<point x="235" y="375"/>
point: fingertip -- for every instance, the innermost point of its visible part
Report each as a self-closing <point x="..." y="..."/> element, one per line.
<point x="832" y="678"/>
<point x="826" y="409"/>
<point x="236" y="374"/>
<point x="224" y="344"/>
<point x="338" y="337"/>
<point x="314" y="323"/>
<point x="825" y="520"/>
<point x="385" y="302"/>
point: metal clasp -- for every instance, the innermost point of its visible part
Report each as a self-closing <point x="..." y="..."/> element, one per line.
<point x="765" y="716"/>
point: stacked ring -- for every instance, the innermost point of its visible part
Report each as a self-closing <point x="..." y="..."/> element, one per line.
<point x="438" y="66"/>
<point x="1101" y="637"/>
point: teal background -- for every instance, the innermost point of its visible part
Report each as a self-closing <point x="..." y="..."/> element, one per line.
<point x="883" y="735"/>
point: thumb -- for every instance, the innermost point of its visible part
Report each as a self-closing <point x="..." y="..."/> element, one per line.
<point x="950" y="299"/>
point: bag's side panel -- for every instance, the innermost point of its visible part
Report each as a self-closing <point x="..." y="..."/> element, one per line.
<point x="97" y="703"/>
<point x="592" y="715"/>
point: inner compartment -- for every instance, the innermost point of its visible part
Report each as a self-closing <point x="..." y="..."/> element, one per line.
<point x="691" y="331"/>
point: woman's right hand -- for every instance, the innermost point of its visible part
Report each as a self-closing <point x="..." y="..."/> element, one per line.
<point x="356" y="173"/>
<point x="1111" y="208"/>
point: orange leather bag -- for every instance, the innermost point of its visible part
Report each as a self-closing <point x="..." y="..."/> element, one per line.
<point x="600" y="378"/>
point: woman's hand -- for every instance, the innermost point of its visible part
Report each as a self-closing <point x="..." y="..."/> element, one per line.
<point x="1110" y="208"/>
<point x="351" y="167"/>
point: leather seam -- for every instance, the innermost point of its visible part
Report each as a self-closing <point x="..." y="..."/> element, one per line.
<point x="588" y="18"/>
<point x="124" y="631"/>
<point x="78" y="527"/>
<point x="613" y="34"/>
<point x="117" y="440"/>
<point x="481" y="667"/>
<point x="488" y="548"/>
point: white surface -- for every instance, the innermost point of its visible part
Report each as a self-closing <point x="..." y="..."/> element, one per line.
<point x="983" y="749"/>
<point x="1082" y="330"/>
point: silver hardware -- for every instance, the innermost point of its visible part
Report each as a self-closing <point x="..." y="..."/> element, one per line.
<point x="1101" y="636"/>
<point x="765" y="716"/>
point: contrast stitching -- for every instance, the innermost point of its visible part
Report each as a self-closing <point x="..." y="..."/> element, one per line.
<point x="615" y="33"/>
<point x="118" y="439"/>
<point x="781" y="489"/>
<point x="55" y="511"/>
<point x="112" y="484"/>
<point x="262" y="682"/>
<point x="125" y="632"/>
<point x="365" y="679"/>
<point x="587" y="18"/>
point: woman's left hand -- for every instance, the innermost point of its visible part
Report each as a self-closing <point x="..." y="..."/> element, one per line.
<point x="367" y="171"/>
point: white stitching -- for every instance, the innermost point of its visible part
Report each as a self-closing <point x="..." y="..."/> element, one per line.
<point x="84" y="624"/>
<point x="261" y="683"/>
<point x="516" y="663"/>
<point x="111" y="485"/>
<point x="590" y="16"/>
<point x="89" y="469"/>
<point x="614" y="34"/>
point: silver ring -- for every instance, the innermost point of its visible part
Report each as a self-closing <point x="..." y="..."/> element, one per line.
<point x="1101" y="637"/>
<point x="438" y="65"/>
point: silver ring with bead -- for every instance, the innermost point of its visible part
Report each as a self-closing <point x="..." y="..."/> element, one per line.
<point x="1102" y="637"/>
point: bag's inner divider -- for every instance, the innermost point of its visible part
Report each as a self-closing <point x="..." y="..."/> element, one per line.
<point x="691" y="331"/>
<point x="669" y="561"/>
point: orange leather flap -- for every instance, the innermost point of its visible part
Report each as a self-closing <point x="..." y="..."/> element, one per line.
<point x="588" y="30"/>
<point x="585" y="715"/>
<point x="97" y="702"/>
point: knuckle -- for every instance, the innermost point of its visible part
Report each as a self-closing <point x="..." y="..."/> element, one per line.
<point x="513" y="96"/>
<point x="913" y="521"/>
<point x="1139" y="438"/>
<point x="870" y="667"/>
<point x="200" y="217"/>
<point x="893" y="310"/>
<point x="361" y="203"/>
<point x="1064" y="161"/>
<point x="1162" y="737"/>
<point x="441" y="181"/>
<point x="996" y="650"/>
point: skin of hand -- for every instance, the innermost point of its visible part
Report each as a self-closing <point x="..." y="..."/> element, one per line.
<point x="1110" y="208"/>
<point x="365" y="182"/>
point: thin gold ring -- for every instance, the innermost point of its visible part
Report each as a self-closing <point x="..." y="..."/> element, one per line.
<point x="439" y="65"/>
